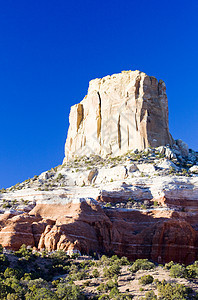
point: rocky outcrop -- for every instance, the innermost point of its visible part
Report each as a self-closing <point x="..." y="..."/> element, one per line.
<point x="120" y="112"/>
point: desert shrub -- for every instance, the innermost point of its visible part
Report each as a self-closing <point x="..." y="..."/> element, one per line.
<point x="95" y="273"/>
<point x="69" y="291"/>
<point x="124" y="261"/>
<point x="9" y="272"/>
<point x="38" y="283"/>
<point x="75" y="255"/>
<point x="111" y="284"/>
<point x="4" y="290"/>
<point x="105" y="260"/>
<point x="73" y="269"/>
<point x="155" y="203"/>
<point x="114" y="292"/>
<point x="59" y="177"/>
<point x="177" y="270"/>
<point x="13" y="297"/>
<point x="142" y="264"/>
<point x="3" y="262"/>
<point x="111" y="271"/>
<point x="17" y="290"/>
<point x="59" y="257"/>
<point x="102" y="288"/>
<point x="24" y="252"/>
<point x="104" y="297"/>
<point x="150" y="295"/>
<point x="174" y="291"/>
<point x="192" y="270"/>
<point x="169" y="265"/>
<point x="41" y="293"/>
<point x="146" y="279"/>
<point x="125" y="296"/>
<point x="81" y="275"/>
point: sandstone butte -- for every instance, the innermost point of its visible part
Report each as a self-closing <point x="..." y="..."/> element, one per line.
<point x="120" y="112"/>
<point x="125" y="187"/>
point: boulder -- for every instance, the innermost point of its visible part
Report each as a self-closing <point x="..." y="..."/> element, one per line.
<point x="167" y="164"/>
<point x="146" y="168"/>
<point x="194" y="169"/>
<point x="169" y="153"/>
<point x="183" y="147"/>
<point x="132" y="168"/>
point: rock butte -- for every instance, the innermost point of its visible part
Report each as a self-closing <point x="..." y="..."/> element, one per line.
<point x="120" y="112"/>
<point x="140" y="205"/>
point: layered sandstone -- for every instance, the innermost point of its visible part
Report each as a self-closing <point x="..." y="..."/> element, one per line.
<point x="102" y="218"/>
<point x="120" y="112"/>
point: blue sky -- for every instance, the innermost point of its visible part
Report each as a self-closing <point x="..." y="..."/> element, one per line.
<point x="51" y="49"/>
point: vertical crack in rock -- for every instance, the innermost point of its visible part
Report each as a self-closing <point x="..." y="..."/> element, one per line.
<point x="99" y="119"/>
<point x="136" y="125"/>
<point x="144" y="142"/>
<point x="128" y="134"/>
<point x="119" y="133"/>
<point x="80" y="115"/>
<point x="137" y="88"/>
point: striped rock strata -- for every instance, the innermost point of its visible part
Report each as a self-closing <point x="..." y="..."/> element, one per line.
<point x="79" y="218"/>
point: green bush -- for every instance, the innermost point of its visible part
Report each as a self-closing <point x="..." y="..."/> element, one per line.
<point x="169" y="265"/>
<point x="150" y="295"/>
<point x="142" y="264"/>
<point x="192" y="270"/>
<point x="3" y="262"/>
<point x="104" y="297"/>
<point x="112" y="270"/>
<point x="177" y="270"/>
<point x="41" y="293"/>
<point x="174" y="291"/>
<point x="146" y="279"/>
<point x="95" y="273"/>
<point x="114" y="292"/>
<point x="69" y="291"/>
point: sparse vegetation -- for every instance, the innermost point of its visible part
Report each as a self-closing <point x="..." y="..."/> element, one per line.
<point x="58" y="276"/>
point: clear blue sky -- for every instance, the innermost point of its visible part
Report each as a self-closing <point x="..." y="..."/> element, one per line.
<point x="50" y="49"/>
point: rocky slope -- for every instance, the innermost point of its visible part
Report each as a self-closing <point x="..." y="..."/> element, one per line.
<point x="139" y="205"/>
<point x="142" y="204"/>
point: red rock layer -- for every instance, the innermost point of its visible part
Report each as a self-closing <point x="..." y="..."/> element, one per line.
<point x="160" y="236"/>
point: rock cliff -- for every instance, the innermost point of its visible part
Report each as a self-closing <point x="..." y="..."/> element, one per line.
<point x="120" y="112"/>
<point x="143" y="204"/>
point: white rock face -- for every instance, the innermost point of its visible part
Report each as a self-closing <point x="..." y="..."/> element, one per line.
<point x="194" y="169"/>
<point x="146" y="168"/>
<point x="120" y="112"/>
<point x="167" y="164"/>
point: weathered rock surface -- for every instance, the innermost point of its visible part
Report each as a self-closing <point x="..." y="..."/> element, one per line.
<point x="120" y="112"/>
